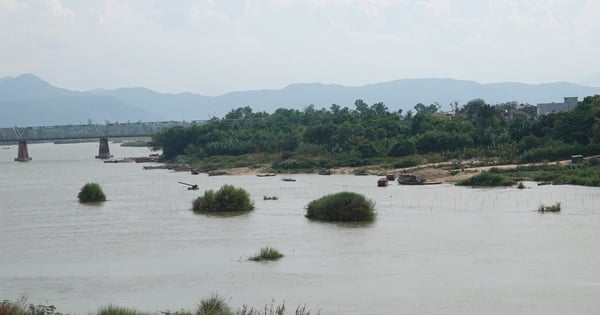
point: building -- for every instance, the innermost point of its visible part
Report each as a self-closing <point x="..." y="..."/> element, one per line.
<point x="545" y="108"/>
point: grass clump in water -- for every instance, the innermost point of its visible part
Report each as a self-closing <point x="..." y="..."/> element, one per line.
<point x="267" y="253"/>
<point x="341" y="207"/>
<point x="91" y="192"/>
<point x="226" y="199"/>
<point x="486" y="179"/>
<point x="551" y="208"/>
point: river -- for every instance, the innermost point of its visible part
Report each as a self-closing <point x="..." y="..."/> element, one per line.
<point x="439" y="249"/>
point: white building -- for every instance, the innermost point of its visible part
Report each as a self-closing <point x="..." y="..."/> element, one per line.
<point x="545" y="108"/>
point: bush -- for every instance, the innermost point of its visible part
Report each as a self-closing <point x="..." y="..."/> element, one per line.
<point x="226" y="199"/>
<point x="486" y="180"/>
<point x="408" y="161"/>
<point x="344" y="206"/>
<point x="267" y="253"/>
<point x="91" y="192"/>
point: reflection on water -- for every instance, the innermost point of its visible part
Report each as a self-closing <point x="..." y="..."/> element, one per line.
<point x="432" y="249"/>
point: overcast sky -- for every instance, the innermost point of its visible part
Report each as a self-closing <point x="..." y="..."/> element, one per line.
<point x="213" y="47"/>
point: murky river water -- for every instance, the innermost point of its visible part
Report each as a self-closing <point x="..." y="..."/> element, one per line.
<point x="432" y="249"/>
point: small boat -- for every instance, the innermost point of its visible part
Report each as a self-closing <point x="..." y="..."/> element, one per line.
<point x="195" y="172"/>
<point x="217" y="173"/>
<point x="155" y="167"/>
<point x="543" y="183"/>
<point x="324" y="172"/>
<point x="265" y="175"/>
<point x="270" y="198"/>
<point x="191" y="186"/>
<point x="390" y="177"/>
<point x="288" y="179"/>
<point x="410" y="179"/>
<point x="382" y="182"/>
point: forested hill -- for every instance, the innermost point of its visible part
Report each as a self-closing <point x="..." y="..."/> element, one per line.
<point x="311" y="138"/>
<point x="29" y="100"/>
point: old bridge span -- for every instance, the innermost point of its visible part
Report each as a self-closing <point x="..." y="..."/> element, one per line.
<point x="102" y="132"/>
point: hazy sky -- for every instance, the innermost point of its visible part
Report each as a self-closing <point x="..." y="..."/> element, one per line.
<point x="212" y="47"/>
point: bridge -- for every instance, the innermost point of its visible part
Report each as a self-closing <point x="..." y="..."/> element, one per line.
<point x="103" y="132"/>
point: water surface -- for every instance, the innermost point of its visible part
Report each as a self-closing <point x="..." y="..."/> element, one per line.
<point x="431" y="250"/>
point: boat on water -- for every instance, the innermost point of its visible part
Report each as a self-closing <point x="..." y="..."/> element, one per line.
<point x="382" y="182"/>
<point x="265" y="175"/>
<point x="390" y="176"/>
<point x="325" y="172"/>
<point x="411" y="179"/>
<point x="288" y="179"/>
<point x="190" y="186"/>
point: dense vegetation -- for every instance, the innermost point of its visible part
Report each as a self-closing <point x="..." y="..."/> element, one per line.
<point x="343" y="206"/>
<point x="291" y="139"/>
<point x="91" y="192"/>
<point x="486" y="179"/>
<point x="586" y="173"/>
<point x="226" y="199"/>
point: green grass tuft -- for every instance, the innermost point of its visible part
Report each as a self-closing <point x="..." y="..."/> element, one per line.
<point x="267" y="253"/>
<point x="214" y="305"/>
<point x="551" y="208"/>
<point x="118" y="310"/>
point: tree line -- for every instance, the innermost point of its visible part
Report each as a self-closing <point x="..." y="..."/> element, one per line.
<point x="370" y="134"/>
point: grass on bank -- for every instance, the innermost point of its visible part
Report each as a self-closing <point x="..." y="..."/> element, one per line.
<point x="586" y="173"/>
<point x="341" y="207"/>
<point x="266" y="253"/>
<point x="486" y="179"/>
<point x="213" y="305"/>
<point x="91" y="192"/>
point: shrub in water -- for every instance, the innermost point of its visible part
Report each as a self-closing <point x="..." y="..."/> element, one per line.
<point x="344" y="206"/>
<point x="226" y="199"/>
<point x="91" y="192"/>
<point x="486" y="180"/>
<point x="267" y="253"/>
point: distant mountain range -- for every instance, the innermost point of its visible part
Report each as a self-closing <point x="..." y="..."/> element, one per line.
<point x="27" y="100"/>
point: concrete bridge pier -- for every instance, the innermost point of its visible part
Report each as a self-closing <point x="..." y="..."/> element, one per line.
<point x="23" y="155"/>
<point x="103" y="150"/>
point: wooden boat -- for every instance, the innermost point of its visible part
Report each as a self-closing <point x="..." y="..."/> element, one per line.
<point x="155" y="167"/>
<point x="382" y="182"/>
<point x="217" y="173"/>
<point x="191" y="186"/>
<point x="410" y="179"/>
<point x="265" y="175"/>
